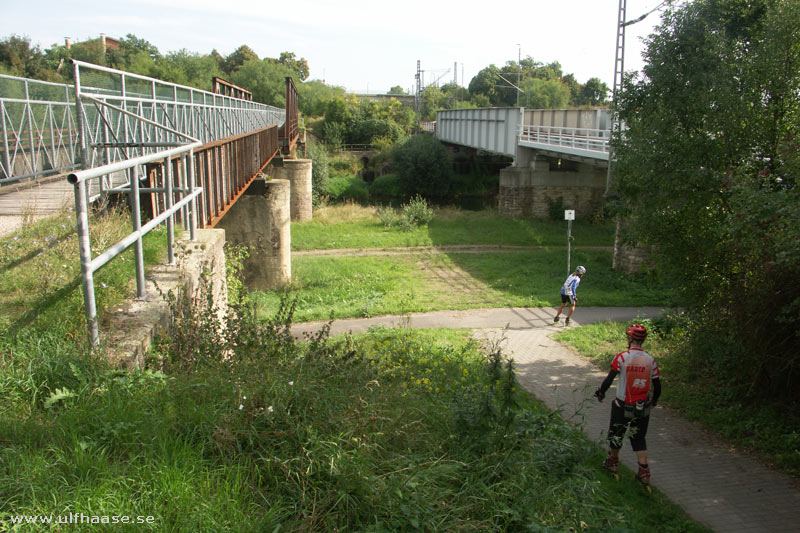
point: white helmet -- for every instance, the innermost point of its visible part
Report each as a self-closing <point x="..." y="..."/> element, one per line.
<point x="581" y="270"/>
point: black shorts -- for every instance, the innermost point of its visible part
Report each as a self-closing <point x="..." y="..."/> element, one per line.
<point x="566" y="299"/>
<point x="619" y="426"/>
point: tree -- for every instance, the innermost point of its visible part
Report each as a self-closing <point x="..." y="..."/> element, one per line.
<point x="265" y="79"/>
<point x="396" y="90"/>
<point x="239" y="57"/>
<point x="21" y="59"/>
<point x="423" y="166"/>
<point x="298" y="66"/>
<point x="593" y="92"/>
<point x="545" y="94"/>
<point x="708" y="168"/>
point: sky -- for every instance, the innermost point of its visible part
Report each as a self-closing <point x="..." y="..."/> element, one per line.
<point x="364" y="46"/>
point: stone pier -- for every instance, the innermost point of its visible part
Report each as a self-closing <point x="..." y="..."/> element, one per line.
<point x="260" y="219"/>
<point x="298" y="173"/>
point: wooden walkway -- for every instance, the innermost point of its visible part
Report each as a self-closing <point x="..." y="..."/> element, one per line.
<point x="37" y="198"/>
<point x="29" y="201"/>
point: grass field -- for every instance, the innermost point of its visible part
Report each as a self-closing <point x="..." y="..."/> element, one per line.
<point x="354" y="226"/>
<point x="362" y="286"/>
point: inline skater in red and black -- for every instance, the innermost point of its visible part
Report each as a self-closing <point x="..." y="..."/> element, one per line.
<point x="638" y="391"/>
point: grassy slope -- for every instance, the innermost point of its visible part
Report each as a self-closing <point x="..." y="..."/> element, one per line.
<point x="388" y="431"/>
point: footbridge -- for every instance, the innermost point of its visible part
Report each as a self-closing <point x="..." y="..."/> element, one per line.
<point x="179" y="154"/>
<point x="560" y="155"/>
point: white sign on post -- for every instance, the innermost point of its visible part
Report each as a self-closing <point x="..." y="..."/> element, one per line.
<point x="569" y="216"/>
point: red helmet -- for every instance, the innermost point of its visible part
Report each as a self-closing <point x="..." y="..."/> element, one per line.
<point x="637" y="332"/>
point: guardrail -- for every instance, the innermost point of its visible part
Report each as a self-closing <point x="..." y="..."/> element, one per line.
<point x="187" y="195"/>
<point x="580" y="141"/>
<point x="124" y="115"/>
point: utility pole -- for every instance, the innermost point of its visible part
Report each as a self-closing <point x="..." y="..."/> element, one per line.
<point x="418" y="96"/>
<point x="519" y="69"/>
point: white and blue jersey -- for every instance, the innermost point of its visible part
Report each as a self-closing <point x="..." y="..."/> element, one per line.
<point x="570" y="287"/>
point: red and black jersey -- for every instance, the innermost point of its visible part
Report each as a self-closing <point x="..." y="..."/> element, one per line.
<point x="637" y="369"/>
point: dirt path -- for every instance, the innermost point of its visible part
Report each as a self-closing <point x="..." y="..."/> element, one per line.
<point x="450" y="249"/>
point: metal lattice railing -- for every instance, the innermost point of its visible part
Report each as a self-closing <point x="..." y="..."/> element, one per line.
<point x="122" y="116"/>
<point x="39" y="129"/>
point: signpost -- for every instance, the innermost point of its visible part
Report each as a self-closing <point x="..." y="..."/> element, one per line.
<point x="569" y="216"/>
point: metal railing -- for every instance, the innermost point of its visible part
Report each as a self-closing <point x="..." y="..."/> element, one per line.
<point x="125" y="115"/>
<point x="579" y="139"/>
<point x="290" y="131"/>
<point x="41" y="122"/>
<point x="187" y="194"/>
<point x="38" y="127"/>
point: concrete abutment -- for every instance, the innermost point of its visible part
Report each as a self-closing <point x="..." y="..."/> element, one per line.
<point x="528" y="191"/>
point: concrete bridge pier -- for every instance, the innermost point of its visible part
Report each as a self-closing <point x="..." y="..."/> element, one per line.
<point x="298" y="173"/>
<point x="260" y="219"/>
<point x="528" y="188"/>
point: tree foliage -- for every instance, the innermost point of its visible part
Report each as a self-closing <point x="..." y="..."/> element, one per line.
<point x="298" y="66"/>
<point x="708" y="169"/>
<point x="542" y="86"/>
<point x="423" y="166"/>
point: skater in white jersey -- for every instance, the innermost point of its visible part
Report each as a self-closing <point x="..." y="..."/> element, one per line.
<point x="569" y="294"/>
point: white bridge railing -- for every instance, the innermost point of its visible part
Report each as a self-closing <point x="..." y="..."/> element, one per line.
<point x="576" y="141"/>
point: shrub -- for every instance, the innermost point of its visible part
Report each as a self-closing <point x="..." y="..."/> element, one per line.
<point x="347" y="188"/>
<point x="387" y="186"/>
<point x="319" y="169"/>
<point x="417" y="212"/>
<point x="366" y="131"/>
<point x="423" y="166"/>
<point x="345" y="164"/>
<point x="388" y="216"/>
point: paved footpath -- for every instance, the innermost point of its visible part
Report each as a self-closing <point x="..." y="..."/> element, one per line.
<point x="726" y="491"/>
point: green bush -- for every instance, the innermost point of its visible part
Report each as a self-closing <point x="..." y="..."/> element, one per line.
<point x="334" y="134"/>
<point x="388" y="216"/>
<point x="370" y="129"/>
<point x="342" y="187"/>
<point x="417" y="212"/>
<point x="319" y="168"/>
<point x="423" y="166"/>
<point x="345" y="164"/>
<point x="386" y="186"/>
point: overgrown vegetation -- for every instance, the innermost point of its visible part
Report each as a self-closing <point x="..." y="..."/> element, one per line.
<point x="243" y="429"/>
<point x="40" y="281"/>
<point x="713" y="183"/>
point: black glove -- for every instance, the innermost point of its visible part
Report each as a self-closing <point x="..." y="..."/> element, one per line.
<point x="600" y="395"/>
